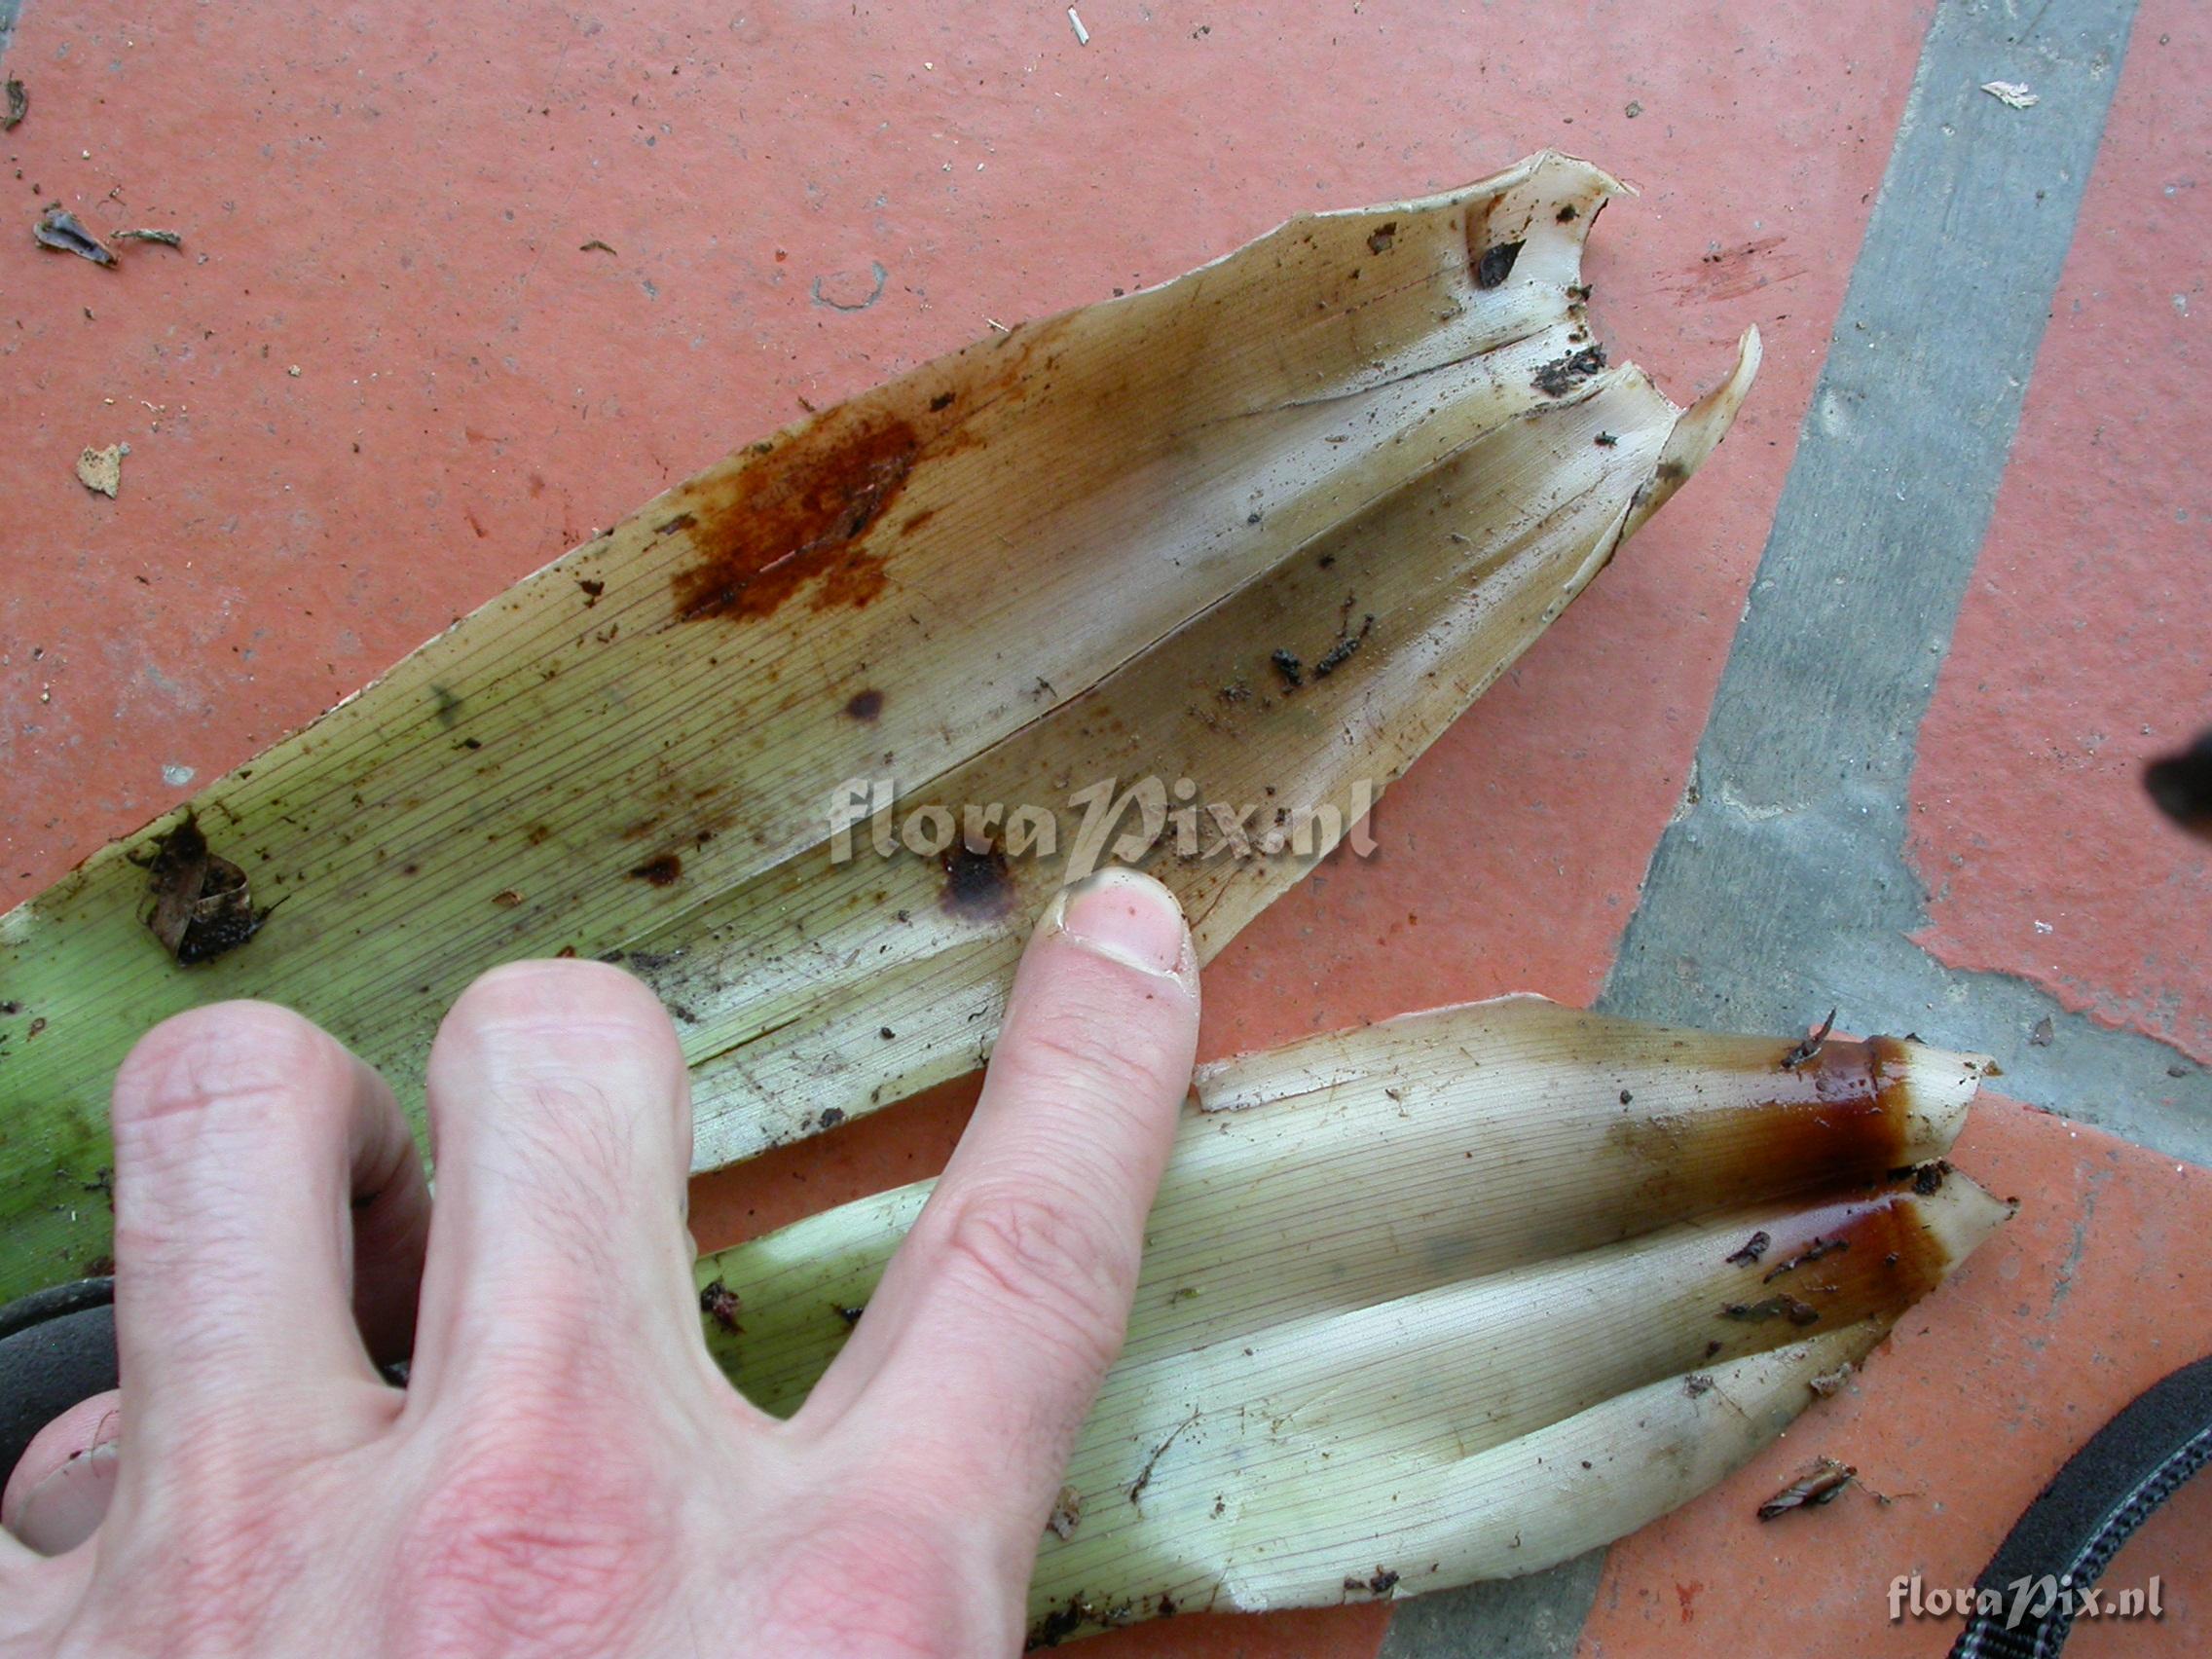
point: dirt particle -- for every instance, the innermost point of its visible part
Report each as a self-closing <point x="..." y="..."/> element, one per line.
<point x="2040" y="1036"/>
<point x="940" y="402"/>
<point x="1496" y="263"/>
<point x="507" y="898"/>
<point x="1929" y="1177"/>
<point x="865" y="706"/>
<point x="592" y="590"/>
<point x="849" y="1313"/>
<point x="1606" y="440"/>
<point x="833" y="1116"/>
<point x="681" y="521"/>
<point x="1287" y="665"/>
<point x="662" y="871"/>
<point x="1378" y="239"/>
<point x="1697" y="1382"/>
<point x="1567" y="214"/>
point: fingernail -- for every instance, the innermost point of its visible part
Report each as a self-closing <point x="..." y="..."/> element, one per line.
<point x="64" y="1509"/>
<point x="1129" y="917"/>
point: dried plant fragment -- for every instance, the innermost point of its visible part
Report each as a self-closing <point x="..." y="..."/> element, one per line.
<point x="1823" y="1483"/>
<point x="61" y="230"/>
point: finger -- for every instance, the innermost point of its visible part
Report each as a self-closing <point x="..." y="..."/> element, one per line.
<point x="61" y="1486"/>
<point x="244" y="1135"/>
<point x="561" y="1118"/>
<point x="986" y="1341"/>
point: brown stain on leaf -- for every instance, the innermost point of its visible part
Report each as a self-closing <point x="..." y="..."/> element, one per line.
<point x="795" y="519"/>
<point x="865" y="705"/>
<point x="662" y="872"/>
<point x="979" y="883"/>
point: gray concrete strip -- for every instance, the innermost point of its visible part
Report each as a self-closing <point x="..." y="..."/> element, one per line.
<point x="1780" y="888"/>
<point x="1537" y="1617"/>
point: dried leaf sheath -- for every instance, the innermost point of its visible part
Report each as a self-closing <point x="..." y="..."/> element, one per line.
<point x="1490" y="1262"/>
<point x="1067" y="555"/>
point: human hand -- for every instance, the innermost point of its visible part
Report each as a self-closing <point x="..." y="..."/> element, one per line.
<point x="567" y="1473"/>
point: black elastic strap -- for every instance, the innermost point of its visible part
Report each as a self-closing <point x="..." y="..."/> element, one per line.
<point x="2071" y="1533"/>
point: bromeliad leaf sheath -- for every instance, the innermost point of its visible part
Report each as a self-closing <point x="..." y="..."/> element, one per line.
<point x="1269" y="528"/>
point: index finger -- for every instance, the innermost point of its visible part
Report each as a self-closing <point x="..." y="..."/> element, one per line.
<point x="994" y="1324"/>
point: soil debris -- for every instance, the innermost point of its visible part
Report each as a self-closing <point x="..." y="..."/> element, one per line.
<point x="2042" y="1033"/>
<point x="1828" y="1382"/>
<point x="19" y="105"/>
<point x="1288" y="666"/>
<point x="166" y="239"/>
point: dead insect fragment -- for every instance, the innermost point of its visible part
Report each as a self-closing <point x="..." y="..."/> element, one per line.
<point x="1753" y="1249"/>
<point x="719" y="1303"/>
<point x="61" y="230"/>
<point x="1808" y="1047"/>
<point x="1811" y="1252"/>
<point x="1496" y="265"/>
<point x="1822" y="1483"/>
<point x="1562" y="374"/>
<point x="166" y="239"/>
<point x="1828" y="1382"/>
<point x="203" y="906"/>
<point x="1288" y="666"/>
<point x="1773" y="1308"/>
<point x="594" y="245"/>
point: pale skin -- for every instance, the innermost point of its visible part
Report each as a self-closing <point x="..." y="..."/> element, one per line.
<point x="567" y="1474"/>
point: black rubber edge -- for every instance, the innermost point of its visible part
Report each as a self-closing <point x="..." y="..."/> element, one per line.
<point x="2070" y="1533"/>
<point x="57" y="1347"/>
